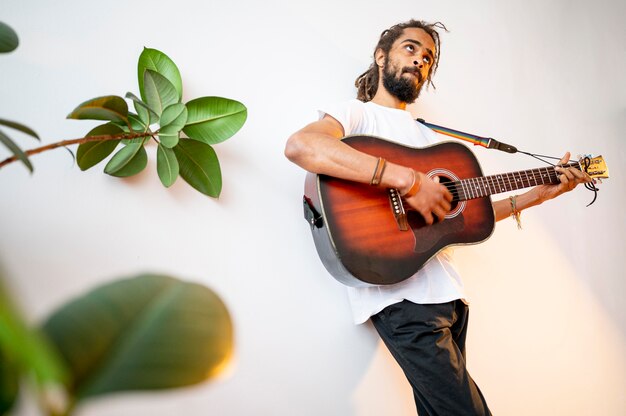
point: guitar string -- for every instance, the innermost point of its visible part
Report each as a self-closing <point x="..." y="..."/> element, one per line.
<point x="478" y="192"/>
<point x="497" y="182"/>
<point x="586" y="161"/>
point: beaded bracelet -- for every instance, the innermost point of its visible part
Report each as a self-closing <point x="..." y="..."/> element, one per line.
<point x="514" y="212"/>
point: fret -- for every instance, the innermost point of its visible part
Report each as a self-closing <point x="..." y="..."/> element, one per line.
<point x="541" y="176"/>
<point x="471" y="188"/>
<point x="556" y="175"/>
<point x="476" y="184"/>
<point x="481" y="184"/>
<point x="513" y="183"/>
<point x="509" y="182"/>
<point x="534" y="178"/>
<point x="501" y="185"/>
<point x="494" y="184"/>
<point x="519" y="182"/>
<point x="551" y="178"/>
<point x="485" y="185"/>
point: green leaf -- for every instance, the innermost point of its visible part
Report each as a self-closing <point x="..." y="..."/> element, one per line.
<point x="129" y="161"/>
<point x="19" y="153"/>
<point x="174" y="115"/>
<point x="169" y="137"/>
<point x="111" y="107"/>
<point x="160" y="93"/>
<point x="157" y="61"/>
<point x="199" y="166"/>
<point x="146" y="114"/>
<point x="172" y="121"/>
<point x="23" y="350"/>
<point x="144" y="333"/>
<point x="167" y="165"/>
<point x="214" y="119"/>
<point x="9" y="382"/>
<point x="8" y="38"/>
<point x="91" y="153"/>
<point x="20" y="127"/>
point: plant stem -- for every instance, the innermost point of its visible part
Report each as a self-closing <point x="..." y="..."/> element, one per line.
<point x="64" y="143"/>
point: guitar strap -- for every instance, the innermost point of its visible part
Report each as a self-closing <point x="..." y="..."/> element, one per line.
<point x="491" y="143"/>
<point x="486" y="142"/>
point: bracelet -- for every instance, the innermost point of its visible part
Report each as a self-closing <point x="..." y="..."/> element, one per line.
<point x="415" y="185"/>
<point x="378" y="172"/>
<point x="514" y="212"/>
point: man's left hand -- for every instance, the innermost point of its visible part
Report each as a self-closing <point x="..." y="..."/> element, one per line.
<point x="569" y="179"/>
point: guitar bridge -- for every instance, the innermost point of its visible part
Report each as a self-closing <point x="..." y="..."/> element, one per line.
<point x="397" y="207"/>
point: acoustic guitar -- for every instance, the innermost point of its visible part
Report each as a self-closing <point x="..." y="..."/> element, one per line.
<point x="367" y="235"/>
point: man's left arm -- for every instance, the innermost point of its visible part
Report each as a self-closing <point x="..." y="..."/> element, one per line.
<point x="569" y="179"/>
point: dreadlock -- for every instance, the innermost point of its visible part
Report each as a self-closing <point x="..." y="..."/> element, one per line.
<point x="367" y="82"/>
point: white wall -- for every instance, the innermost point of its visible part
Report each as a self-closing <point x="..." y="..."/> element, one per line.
<point x="548" y="327"/>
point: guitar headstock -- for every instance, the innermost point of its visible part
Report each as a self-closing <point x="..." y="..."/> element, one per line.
<point x="594" y="166"/>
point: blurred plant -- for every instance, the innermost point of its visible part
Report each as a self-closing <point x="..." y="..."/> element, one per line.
<point x="144" y="333"/>
<point x="160" y="116"/>
<point x="151" y="331"/>
<point x="24" y="352"/>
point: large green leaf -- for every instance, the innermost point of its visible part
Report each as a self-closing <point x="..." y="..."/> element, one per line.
<point x="8" y="38"/>
<point x="9" y="382"/>
<point x="159" y="62"/>
<point x="20" y="127"/>
<point x="147" y="332"/>
<point x="167" y="165"/>
<point x="111" y="108"/>
<point x="24" y="351"/>
<point x="160" y="93"/>
<point x="91" y="153"/>
<point x="15" y="149"/>
<point x="199" y="166"/>
<point x="214" y="119"/>
<point x="129" y="161"/>
<point x="174" y="115"/>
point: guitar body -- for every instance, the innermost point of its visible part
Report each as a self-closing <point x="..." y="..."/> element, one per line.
<point x="358" y="237"/>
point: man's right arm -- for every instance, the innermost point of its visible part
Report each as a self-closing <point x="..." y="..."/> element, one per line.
<point x="317" y="148"/>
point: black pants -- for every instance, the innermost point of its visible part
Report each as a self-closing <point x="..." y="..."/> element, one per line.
<point x="428" y="341"/>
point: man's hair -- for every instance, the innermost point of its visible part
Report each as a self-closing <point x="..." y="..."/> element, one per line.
<point x="367" y="82"/>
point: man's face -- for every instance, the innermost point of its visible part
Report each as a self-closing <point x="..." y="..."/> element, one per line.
<point x="408" y="64"/>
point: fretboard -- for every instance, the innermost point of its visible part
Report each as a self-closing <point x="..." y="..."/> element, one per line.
<point x="483" y="186"/>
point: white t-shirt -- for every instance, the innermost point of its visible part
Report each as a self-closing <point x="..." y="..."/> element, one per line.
<point x="437" y="281"/>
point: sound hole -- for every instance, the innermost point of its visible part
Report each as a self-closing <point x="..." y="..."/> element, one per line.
<point x="449" y="183"/>
<point x="447" y="179"/>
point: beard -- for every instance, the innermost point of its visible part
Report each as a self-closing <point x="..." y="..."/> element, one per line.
<point x="404" y="89"/>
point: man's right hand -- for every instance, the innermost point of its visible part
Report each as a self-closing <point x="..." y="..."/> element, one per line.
<point x="432" y="198"/>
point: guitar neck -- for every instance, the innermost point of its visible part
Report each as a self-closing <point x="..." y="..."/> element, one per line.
<point x="483" y="186"/>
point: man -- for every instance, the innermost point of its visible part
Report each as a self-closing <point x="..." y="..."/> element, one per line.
<point x="422" y="320"/>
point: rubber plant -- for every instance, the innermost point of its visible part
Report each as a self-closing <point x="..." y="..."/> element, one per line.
<point x="148" y="332"/>
<point x="183" y="132"/>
